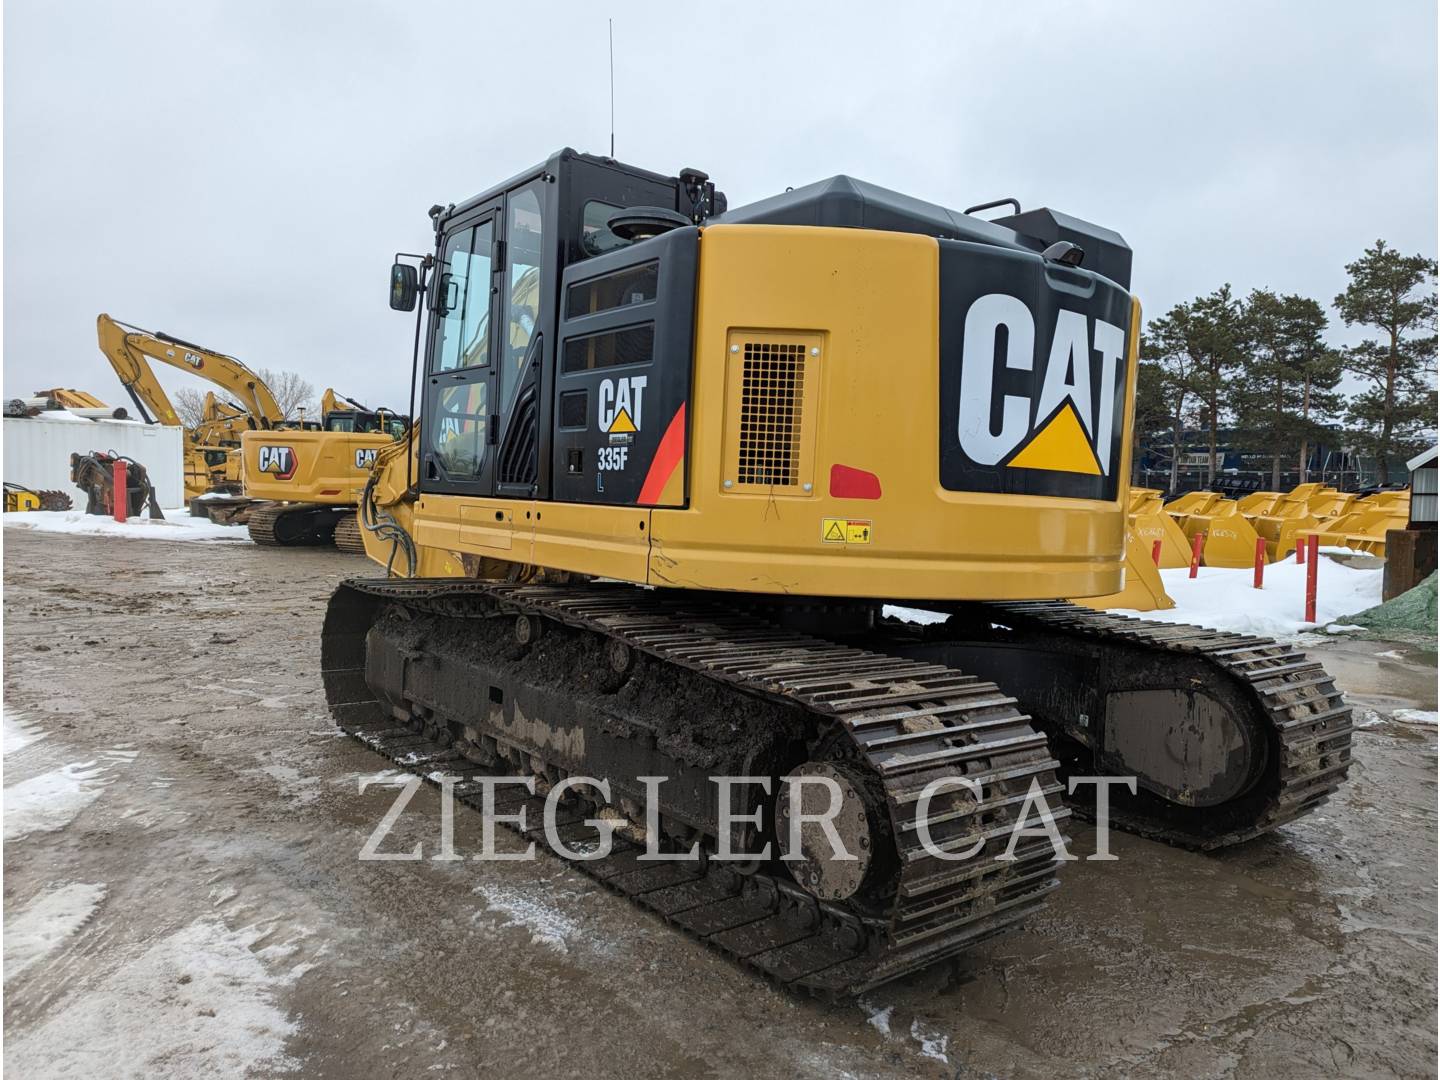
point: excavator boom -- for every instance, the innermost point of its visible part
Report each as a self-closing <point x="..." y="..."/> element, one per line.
<point x="130" y="350"/>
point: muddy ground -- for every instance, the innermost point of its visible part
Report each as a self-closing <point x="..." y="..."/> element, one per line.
<point x="183" y="894"/>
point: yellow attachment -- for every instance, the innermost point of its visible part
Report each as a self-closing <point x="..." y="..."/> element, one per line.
<point x="1191" y="501"/>
<point x="1150" y="522"/>
<point x="1144" y="588"/>
<point x="1260" y="502"/>
<point x="21" y="500"/>
<point x="1288" y="517"/>
<point x="1229" y="538"/>
<point x="71" y="399"/>
<point x="1364" y="530"/>
<point x="1331" y="504"/>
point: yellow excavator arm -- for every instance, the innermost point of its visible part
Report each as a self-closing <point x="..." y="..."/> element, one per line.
<point x="130" y="350"/>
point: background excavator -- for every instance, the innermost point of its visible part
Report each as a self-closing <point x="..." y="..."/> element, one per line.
<point x="311" y="480"/>
<point x="288" y="481"/>
<point x="651" y="528"/>
<point x="211" y="464"/>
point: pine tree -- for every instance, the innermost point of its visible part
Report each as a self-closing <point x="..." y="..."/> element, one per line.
<point x="1200" y="343"/>
<point x="1393" y="294"/>
<point x="1287" y="378"/>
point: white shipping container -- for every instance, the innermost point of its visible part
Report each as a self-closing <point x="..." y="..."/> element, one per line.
<point x="38" y="449"/>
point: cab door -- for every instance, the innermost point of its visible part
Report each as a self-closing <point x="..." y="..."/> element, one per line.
<point x="459" y="429"/>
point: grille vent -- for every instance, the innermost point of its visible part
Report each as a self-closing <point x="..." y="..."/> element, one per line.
<point x="771" y="395"/>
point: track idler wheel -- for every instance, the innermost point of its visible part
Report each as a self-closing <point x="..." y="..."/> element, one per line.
<point x="819" y="864"/>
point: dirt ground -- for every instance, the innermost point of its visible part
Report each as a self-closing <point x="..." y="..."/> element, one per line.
<point x="183" y="894"/>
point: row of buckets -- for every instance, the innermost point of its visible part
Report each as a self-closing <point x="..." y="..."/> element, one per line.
<point x="1233" y="528"/>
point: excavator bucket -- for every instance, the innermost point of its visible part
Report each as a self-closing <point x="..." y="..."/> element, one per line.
<point x="1331" y="504"/>
<point x="1260" y="502"/>
<point x="1150" y="522"/>
<point x="1290" y="517"/>
<point x="1190" y="501"/>
<point x="1365" y="529"/>
<point x="1144" y="590"/>
<point x="1229" y="538"/>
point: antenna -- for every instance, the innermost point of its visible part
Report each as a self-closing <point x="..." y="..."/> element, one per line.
<point x="612" y="86"/>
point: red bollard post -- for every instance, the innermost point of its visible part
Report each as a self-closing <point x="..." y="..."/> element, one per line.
<point x="1312" y="573"/>
<point x="1259" y="562"/>
<point x="120" y="497"/>
<point x="1155" y="552"/>
<point x="1196" y="547"/>
<point x="1300" y="551"/>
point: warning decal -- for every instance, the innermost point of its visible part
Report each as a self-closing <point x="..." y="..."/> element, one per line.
<point x="845" y="531"/>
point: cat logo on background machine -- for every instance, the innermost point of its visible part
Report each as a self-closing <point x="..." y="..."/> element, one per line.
<point x="278" y="461"/>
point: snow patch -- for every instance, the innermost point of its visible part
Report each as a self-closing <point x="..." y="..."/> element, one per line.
<point x="548" y="925"/>
<point x="1367" y="718"/>
<point x="1416" y="716"/>
<point x="178" y="525"/>
<point x="1341" y="628"/>
<point x="197" y="1003"/>
<point x="1391" y="654"/>
<point x="914" y="615"/>
<point x="879" y="1019"/>
<point x="42" y="925"/>
<point x="1223" y="599"/>
<point x="18" y="732"/>
<point x="932" y="1043"/>
<point x="51" y="800"/>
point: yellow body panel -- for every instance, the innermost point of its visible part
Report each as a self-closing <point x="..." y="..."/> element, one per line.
<point x="867" y="303"/>
<point x="329" y="467"/>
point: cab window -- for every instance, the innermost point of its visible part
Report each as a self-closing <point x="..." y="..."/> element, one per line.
<point x="595" y="235"/>
<point x="524" y="245"/>
<point x="462" y="300"/>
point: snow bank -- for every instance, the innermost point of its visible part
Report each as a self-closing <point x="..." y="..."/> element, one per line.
<point x="42" y="926"/>
<point x="1224" y="599"/>
<point x="178" y="525"/>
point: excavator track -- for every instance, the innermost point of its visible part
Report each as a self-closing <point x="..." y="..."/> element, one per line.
<point x="455" y="680"/>
<point x="348" y="537"/>
<point x="1297" y="724"/>
<point x="279" y="524"/>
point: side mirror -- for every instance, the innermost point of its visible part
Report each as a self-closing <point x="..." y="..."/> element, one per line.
<point x="404" y="287"/>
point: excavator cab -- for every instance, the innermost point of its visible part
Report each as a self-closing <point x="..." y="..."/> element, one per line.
<point x="489" y="397"/>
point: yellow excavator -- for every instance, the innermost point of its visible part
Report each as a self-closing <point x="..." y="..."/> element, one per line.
<point x="654" y="528"/>
<point x="311" y="480"/>
<point x="210" y="462"/>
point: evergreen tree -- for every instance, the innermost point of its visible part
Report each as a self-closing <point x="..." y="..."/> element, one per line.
<point x="1200" y="344"/>
<point x="1152" y="409"/>
<point x="1164" y="378"/>
<point x="1288" y="376"/>
<point x="1394" y="295"/>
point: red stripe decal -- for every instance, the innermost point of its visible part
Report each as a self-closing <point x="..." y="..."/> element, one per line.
<point x="667" y="457"/>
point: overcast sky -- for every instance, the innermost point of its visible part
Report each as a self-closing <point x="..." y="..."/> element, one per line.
<point x="241" y="173"/>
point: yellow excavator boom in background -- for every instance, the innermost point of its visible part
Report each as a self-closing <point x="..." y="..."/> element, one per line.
<point x="210" y="464"/>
